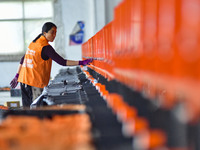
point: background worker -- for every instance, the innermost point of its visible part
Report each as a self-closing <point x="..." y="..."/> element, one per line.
<point x="35" y="66"/>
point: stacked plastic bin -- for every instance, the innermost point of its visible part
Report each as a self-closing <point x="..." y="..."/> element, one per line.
<point x="152" y="47"/>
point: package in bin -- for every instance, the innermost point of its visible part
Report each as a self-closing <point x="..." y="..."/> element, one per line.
<point x="77" y="35"/>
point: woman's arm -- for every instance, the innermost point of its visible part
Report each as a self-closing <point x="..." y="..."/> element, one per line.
<point x="14" y="81"/>
<point x="72" y="63"/>
<point x="49" y="52"/>
<point x="20" y="64"/>
<point x="19" y="68"/>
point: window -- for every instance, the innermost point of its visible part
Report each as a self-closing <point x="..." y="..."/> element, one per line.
<point x="20" y="22"/>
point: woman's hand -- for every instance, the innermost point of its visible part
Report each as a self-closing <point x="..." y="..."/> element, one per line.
<point x="85" y="62"/>
<point x="14" y="81"/>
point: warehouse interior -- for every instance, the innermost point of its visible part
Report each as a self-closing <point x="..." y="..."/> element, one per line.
<point x="140" y="92"/>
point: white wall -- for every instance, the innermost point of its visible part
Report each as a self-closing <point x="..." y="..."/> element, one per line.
<point x="109" y="9"/>
<point x="95" y="13"/>
<point x="99" y="11"/>
<point x="73" y="11"/>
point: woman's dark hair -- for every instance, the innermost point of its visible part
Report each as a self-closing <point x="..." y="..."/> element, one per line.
<point x="46" y="27"/>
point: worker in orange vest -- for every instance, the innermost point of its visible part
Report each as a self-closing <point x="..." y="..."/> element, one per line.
<point x="35" y="66"/>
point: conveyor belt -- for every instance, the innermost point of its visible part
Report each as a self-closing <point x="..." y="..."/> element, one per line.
<point x="107" y="130"/>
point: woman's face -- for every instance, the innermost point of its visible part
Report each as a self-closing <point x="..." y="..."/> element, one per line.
<point x="51" y="34"/>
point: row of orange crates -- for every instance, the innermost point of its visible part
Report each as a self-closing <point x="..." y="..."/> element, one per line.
<point x="152" y="46"/>
<point x="133" y="125"/>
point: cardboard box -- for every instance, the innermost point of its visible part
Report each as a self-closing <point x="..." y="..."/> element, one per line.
<point x="13" y="104"/>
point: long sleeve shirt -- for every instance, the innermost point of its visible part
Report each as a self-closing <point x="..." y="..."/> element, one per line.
<point x="49" y="52"/>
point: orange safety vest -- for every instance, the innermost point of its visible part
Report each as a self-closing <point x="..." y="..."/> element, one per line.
<point x="35" y="71"/>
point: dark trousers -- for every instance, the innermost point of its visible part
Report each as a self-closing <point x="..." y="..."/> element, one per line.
<point x="27" y="95"/>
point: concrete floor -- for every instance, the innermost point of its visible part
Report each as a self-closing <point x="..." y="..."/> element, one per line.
<point x="5" y="97"/>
